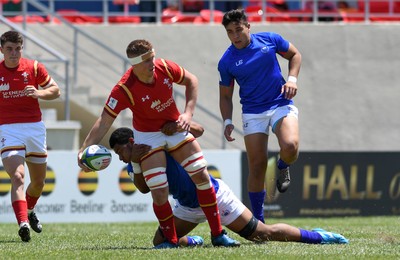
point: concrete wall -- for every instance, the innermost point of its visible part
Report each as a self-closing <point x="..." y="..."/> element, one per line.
<point x="349" y="84"/>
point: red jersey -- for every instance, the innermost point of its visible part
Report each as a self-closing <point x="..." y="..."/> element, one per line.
<point x="15" y="106"/>
<point x="152" y="105"/>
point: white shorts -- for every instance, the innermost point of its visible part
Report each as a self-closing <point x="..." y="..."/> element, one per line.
<point x="24" y="139"/>
<point x="230" y="207"/>
<point x="159" y="140"/>
<point x="260" y="123"/>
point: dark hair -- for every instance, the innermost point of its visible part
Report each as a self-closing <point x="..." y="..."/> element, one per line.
<point x="138" y="47"/>
<point x="120" y="136"/>
<point x="234" y="16"/>
<point x="11" y="36"/>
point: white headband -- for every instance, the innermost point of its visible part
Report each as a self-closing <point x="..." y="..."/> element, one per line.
<point x="139" y="59"/>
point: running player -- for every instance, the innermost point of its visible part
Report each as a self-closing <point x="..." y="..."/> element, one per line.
<point x="22" y="132"/>
<point x="266" y="100"/>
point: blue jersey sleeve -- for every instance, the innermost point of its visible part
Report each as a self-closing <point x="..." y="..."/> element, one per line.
<point x="225" y="78"/>
<point x="281" y="44"/>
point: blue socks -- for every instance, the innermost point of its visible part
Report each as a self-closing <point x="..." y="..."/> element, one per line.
<point x="257" y="204"/>
<point x="282" y="165"/>
<point x="310" y="237"/>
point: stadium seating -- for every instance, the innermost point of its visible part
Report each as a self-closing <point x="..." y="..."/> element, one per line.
<point x="379" y="12"/>
<point x="205" y="16"/>
<point x="255" y="14"/>
<point x="74" y="16"/>
<point x="124" y="19"/>
<point x="171" y="15"/>
<point x="29" y="19"/>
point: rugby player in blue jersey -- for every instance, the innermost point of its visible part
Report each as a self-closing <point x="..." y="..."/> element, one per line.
<point x="266" y="98"/>
<point x="187" y="212"/>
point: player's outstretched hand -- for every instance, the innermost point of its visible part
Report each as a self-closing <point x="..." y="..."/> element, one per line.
<point x="81" y="165"/>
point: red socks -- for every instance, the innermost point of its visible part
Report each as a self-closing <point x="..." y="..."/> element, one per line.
<point x="20" y="210"/>
<point x="31" y="201"/>
<point x="166" y="220"/>
<point x="208" y="203"/>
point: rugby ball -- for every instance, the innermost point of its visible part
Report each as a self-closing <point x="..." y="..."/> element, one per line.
<point x="96" y="157"/>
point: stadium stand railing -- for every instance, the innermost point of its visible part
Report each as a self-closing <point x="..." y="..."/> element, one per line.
<point x="204" y="11"/>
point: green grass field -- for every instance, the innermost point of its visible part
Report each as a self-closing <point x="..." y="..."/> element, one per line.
<point x="370" y="238"/>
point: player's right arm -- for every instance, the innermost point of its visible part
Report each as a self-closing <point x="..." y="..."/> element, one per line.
<point x="140" y="183"/>
<point x="98" y="131"/>
<point x="226" y="108"/>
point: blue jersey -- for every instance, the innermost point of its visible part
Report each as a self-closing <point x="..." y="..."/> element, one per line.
<point x="256" y="70"/>
<point x="181" y="186"/>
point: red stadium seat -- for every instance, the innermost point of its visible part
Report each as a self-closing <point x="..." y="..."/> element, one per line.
<point x="124" y="19"/>
<point x="74" y="16"/>
<point x="380" y="11"/>
<point x="29" y="19"/>
<point x="169" y="15"/>
<point x="375" y="6"/>
<point x="205" y="16"/>
<point x="121" y="2"/>
<point x="254" y="13"/>
<point x="275" y="15"/>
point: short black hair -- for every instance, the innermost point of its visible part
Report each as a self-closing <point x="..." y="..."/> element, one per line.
<point x="234" y="16"/>
<point x="120" y="136"/>
<point x="11" y="36"/>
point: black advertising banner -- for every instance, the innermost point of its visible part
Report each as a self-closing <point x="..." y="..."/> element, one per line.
<point x="333" y="184"/>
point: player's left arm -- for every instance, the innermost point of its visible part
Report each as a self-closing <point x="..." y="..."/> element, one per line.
<point x="294" y="57"/>
<point x="49" y="92"/>
<point x="191" y="83"/>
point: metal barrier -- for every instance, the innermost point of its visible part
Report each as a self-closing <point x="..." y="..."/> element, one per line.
<point x="209" y="11"/>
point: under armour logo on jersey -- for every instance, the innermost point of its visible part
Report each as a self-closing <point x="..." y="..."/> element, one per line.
<point x="245" y="125"/>
<point x="238" y="63"/>
<point x="3" y="140"/>
<point x="145" y="98"/>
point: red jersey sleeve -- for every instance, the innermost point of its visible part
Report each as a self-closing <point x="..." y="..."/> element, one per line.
<point x="41" y="75"/>
<point x="120" y="97"/>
